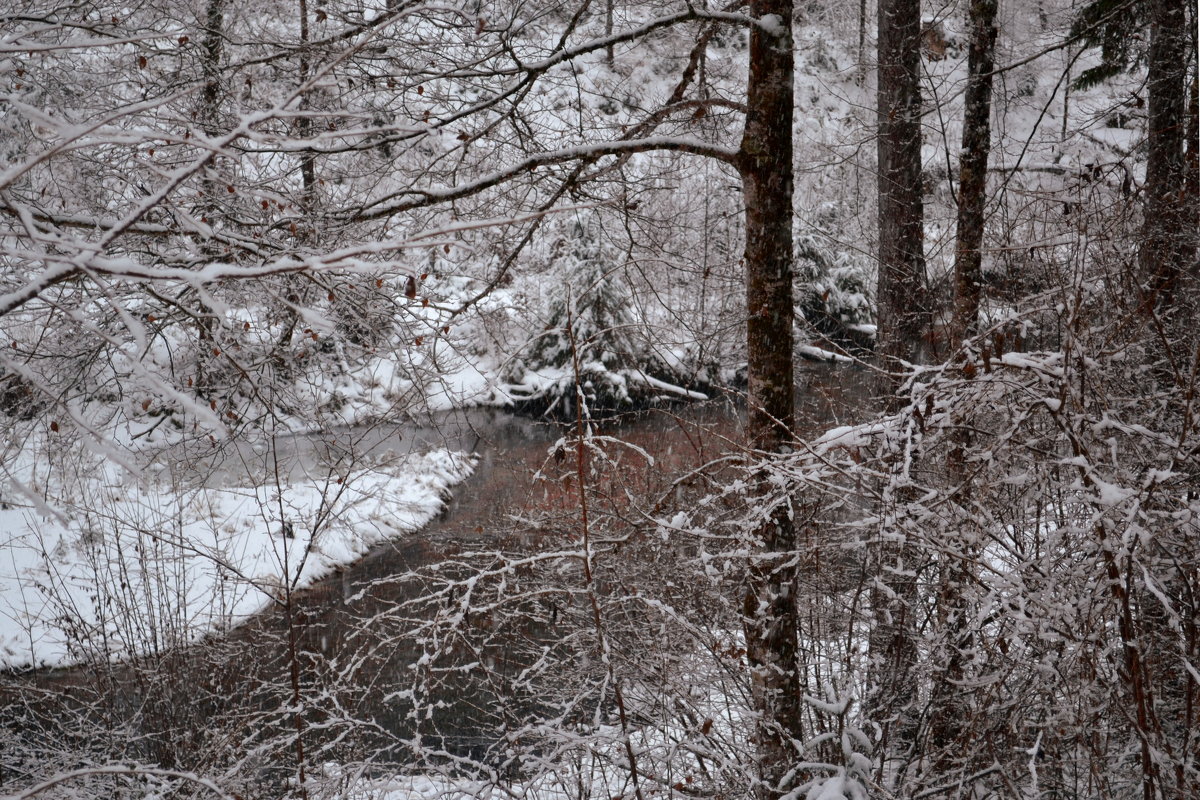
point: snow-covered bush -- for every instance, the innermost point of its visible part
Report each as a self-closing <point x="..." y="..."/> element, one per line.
<point x="1018" y="554"/>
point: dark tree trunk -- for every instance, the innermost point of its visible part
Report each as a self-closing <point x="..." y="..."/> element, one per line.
<point x="948" y="701"/>
<point x="209" y="117"/>
<point x="304" y="127"/>
<point x="209" y="110"/>
<point x="973" y="169"/>
<point x="862" y="41"/>
<point x="1168" y="247"/>
<point x="903" y="322"/>
<point x="210" y="95"/>
<point x="1160" y="696"/>
<point x="901" y="294"/>
<point x="770" y="615"/>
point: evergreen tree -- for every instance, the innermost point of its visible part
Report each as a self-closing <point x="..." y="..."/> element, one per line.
<point x="1115" y="27"/>
<point x="591" y="338"/>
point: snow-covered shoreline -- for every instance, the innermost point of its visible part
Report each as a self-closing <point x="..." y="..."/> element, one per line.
<point x="130" y="568"/>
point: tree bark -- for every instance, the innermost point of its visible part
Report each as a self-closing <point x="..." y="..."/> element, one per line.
<point x="209" y="110"/>
<point x="902" y="323"/>
<point x="901" y="296"/>
<point x="770" y="617"/>
<point x="304" y="128"/>
<point x="209" y="114"/>
<point x="1161" y="696"/>
<point x="210" y="95"/>
<point x="1168" y="247"/>
<point x="973" y="169"/>
<point x="948" y="703"/>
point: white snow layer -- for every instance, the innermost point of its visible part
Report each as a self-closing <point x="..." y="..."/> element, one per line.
<point x="141" y="569"/>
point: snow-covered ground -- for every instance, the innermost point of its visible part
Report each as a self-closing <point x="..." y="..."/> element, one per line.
<point x="130" y="567"/>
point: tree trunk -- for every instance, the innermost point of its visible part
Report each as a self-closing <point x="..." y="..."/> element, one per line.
<point x="209" y="110"/>
<point x="304" y="128"/>
<point x="209" y="116"/>
<point x="901" y="296"/>
<point x="973" y="168"/>
<point x="1168" y="246"/>
<point x="1161" y="696"/>
<point x="902" y="320"/>
<point x="862" y="42"/>
<point x="770" y="618"/>
<point x="210" y="95"/>
<point x="948" y="703"/>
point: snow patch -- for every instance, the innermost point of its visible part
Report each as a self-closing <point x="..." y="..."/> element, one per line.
<point x="142" y="569"/>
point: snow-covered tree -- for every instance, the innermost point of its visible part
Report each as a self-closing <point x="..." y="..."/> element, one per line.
<point x="593" y="348"/>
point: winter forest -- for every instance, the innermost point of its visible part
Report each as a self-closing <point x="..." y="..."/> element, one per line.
<point x="599" y="400"/>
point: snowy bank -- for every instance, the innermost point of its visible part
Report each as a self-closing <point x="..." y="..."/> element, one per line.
<point x="144" y="568"/>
